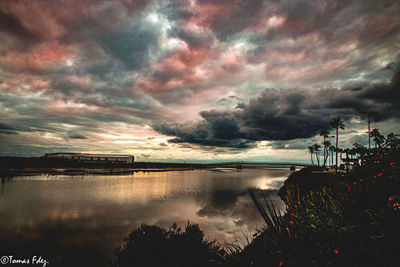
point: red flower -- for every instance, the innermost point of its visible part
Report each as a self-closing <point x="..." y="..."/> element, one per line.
<point x="373" y="181"/>
<point x="292" y="214"/>
<point x="392" y="163"/>
<point x="349" y="187"/>
<point x="336" y="251"/>
<point x="380" y="174"/>
<point x="281" y="263"/>
<point x="391" y="198"/>
<point x="375" y="177"/>
<point x="361" y="180"/>
<point x="291" y="223"/>
<point x="355" y="183"/>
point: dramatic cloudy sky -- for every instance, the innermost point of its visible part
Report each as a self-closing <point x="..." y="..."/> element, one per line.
<point x="195" y="79"/>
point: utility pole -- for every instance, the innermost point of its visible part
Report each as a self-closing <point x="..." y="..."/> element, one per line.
<point x="369" y="135"/>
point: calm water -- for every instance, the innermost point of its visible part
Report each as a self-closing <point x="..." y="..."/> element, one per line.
<point x="70" y="220"/>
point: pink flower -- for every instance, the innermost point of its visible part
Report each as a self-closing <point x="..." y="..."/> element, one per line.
<point x="361" y="180"/>
<point x="281" y="263"/>
<point x="380" y="174"/>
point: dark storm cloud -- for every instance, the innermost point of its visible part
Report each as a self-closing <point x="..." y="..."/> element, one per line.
<point x="133" y="44"/>
<point x="217" y="129"/>
<point x="12" y="25"/>
<point x="287" y="114"/>
<point x="5" y="129"/>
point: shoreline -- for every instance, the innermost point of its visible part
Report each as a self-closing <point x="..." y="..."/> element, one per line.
<point x="12" y="167"/>
<point x="74" y="172"/>
<point x="10" y="173"/>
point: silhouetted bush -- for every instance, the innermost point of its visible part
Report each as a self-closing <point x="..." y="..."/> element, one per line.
<point x="150" y="245"/>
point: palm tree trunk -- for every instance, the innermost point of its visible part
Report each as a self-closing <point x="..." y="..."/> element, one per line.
<point x="326" y="155"/>
<point x="337" y="142"/>
<point x="324" y="152"/>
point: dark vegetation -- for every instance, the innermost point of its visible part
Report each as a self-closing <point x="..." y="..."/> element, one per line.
<point x="346" y="217"/>
<point x="150" y="245"/>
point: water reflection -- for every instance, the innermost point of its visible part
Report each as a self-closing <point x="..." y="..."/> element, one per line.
<point x="71" y="218"/>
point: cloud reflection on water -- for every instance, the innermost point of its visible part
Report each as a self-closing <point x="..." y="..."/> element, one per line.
<point x="88" y="216"/>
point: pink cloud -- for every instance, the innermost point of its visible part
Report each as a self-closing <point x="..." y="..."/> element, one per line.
<point x="284" y="56"/>
<point x="183" y="67"/>
<point x="232" y="62"/>
<point x="205" y="15"/>
<point x="264" y="23"/>
<point x="42" y="57"/>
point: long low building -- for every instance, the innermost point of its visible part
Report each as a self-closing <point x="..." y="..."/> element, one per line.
<point x="101" y="158"/>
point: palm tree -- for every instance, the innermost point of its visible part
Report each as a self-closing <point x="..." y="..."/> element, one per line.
<point x="338" y="124"/>
<point x="317" y="149"/>
<point x="392" y="141"/>
<point x="311" y="150"/>
<point x="379" y="139"/>
<point x="324" y="134"/>
<point x="327" y="144"/>
<point x="358" y="149"/>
